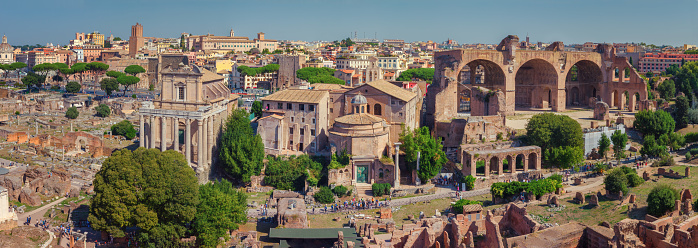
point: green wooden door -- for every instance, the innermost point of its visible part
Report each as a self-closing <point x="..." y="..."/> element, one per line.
<point x="362" y="174"/>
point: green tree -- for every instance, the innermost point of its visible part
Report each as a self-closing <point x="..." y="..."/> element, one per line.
<point x="152" y="190"/>
<point x="290" y="173"/>
<point x="650" y="147"/>
<point x="616" y="181"/>
<point x="661" y="200"/>
<point x="654" y="123"/>
<point x="33" y="80"/>
<point x="73" y="87"/>
<point x="241" y="151"/>
<point x="318" y="75"/>
<point x="565" y="157"/>
<point x="257" y="109"/>
<point x="666" y="89"/>
<point x="44" y="69"/>
<point x="72" y="113"/>
<point x="604" y="145"/>
<point x="115" y="74"/>
<point x="619" y="140"/>
<point x="432" y="154"/>
<point x="553" y="131"/>
<point x="124" y="128"/>
<point x="424" y="74"/>
<point x="97" y="68"/>
<point x="109" y="85"/>
<point x="221" y="209"/>
<point x="324" y="196"/>
<point x="117" y="39"/>
<point x="469" y="181"/>
<point x="127" y="81"/>
<point x="103" y="110"/>
<point x="133" y="70"/>
<point x="78" y="68"/>
<point x="681" y="113"/>
<point x="16" y="66"/>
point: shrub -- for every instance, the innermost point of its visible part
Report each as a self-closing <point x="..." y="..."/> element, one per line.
<point x="666" y="160"/>
<point x="556" y="177"/>
<point x="457" y="207"/>
<point x="124" y="128"/>
<point x="661" y="200"/>
<point x="103" y="110"/>
<point x="340" y="191"/>
<point x="634" y="180"/>
<point x="627" y="170"/>
<point x="694" y="151"/>
<point x="688" y="156"/>
<point x="324" y="196"/>
<point x="469" y="181"/>
<point x="72" y="113"/>
<point x="380" y="189"/>
<point x="616" y="181"/>
<point x="538" y="188"/>
<point x="691" y="137"/>
<point x="312" y="181"/>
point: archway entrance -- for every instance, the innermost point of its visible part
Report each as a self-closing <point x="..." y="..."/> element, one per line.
<point x="532" y="160"/>
<point x="581" y="82"/>
<point x="535" y="81"/>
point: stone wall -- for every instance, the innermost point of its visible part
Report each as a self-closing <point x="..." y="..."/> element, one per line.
<point x="486" y="102"/>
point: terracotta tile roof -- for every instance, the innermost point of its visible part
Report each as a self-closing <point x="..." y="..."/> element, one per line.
<point x="302" y="96"/>
<point x="359" y="119"/>
<point x="472" y="208"/>
<point x="209" y="75"/>
<point x="330" y="87"/>
<point x="347" y="71"/>
<point x="392" y="90"/>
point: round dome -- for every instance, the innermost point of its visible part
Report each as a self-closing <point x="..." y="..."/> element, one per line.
<point x="359" y="99"/>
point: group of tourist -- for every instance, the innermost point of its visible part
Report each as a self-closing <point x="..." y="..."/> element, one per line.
<point x="359" y="204"/>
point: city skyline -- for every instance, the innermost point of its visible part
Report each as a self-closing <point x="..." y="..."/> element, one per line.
<point x="488" y="22"/>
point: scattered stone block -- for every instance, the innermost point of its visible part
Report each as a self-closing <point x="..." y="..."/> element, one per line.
<point x="579" y="198"/>
<point x="594" y="201"/>
<point x="631" y="198"/>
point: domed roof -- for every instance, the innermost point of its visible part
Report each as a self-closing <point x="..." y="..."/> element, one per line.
<point x="359" y="99"/>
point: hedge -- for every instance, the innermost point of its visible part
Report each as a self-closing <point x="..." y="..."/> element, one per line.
<point x="538" y="188"/>
<point x="340" y="191"/>
<point x="458" y="206"/>
<point x="380" y="189"/>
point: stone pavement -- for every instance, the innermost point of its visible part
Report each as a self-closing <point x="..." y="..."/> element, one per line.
<point x="37" y="214"/>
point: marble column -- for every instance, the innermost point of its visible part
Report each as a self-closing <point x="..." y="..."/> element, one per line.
<point x="187" y="139"/>
<point x="175" y="134"/>
<point x="141" y="132"/>
<point x="209" y="147"/>
<point x="163" y="134"/>
<point x="199" y="143"/>
<point x="151" y="139"/>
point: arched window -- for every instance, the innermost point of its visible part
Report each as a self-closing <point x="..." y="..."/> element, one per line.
<point x="357" y="109"/>
<point x="377" y="109"/>
<point x="362" y="109"/>
<point x="380" y="173"/>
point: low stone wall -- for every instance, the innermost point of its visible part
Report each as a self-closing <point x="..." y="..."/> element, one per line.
<point x="416" y="190"/>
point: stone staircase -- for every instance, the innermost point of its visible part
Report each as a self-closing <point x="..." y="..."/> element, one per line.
<point x="364" y="189"/>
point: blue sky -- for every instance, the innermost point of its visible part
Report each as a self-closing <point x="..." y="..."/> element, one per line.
<point x="672" y="22"/>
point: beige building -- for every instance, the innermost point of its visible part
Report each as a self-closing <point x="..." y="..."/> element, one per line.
<point x="189" y="115"/>
<point x="230" y="43"/>
<point x="294" y="121"/>
<point x="365" y="121"/>
<point x="6" y="54"/>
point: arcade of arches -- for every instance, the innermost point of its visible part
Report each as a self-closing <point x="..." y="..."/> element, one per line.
<point x="552" y="79"/>
<point x="501" y="161"/>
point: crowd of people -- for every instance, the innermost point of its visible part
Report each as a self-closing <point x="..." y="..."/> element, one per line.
<point x="357" y="204"/>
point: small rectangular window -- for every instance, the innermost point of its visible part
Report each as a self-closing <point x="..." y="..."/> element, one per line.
<point x="280" y="106"/>
<point x="301" y="107"/>
<point x="290" y="131"/>
<point x="312" y="132"/>
<point x="289" y="106"/>
<point x="181" y="93"/>
<point x="331" y="110"/>
<point x="313" y="120"/>
<point x="311" y="107"/>
<point x="302" y="120"/>
<point x="302" y="131"/>
<point x="292" y="118"/>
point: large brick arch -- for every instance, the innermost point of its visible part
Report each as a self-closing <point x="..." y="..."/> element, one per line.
<point x="536" y="84"/>
<point x="507" y="62"/>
